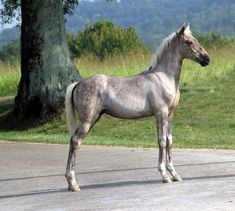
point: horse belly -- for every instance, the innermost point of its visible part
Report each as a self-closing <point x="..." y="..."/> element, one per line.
<point x="130" y="108"/>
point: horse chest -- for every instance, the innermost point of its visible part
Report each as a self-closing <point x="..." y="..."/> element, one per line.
<point x="174" y="102"/>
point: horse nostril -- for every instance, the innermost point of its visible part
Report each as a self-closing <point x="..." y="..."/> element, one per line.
<point x="204" y="59"/>
<point x="207" y="59"/>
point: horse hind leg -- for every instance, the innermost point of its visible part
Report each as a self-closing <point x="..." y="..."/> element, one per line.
<point x="87" y="120"/>
<point x="75" y="144"/>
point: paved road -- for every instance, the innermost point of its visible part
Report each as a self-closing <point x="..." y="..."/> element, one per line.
<point x="32" y="178"/>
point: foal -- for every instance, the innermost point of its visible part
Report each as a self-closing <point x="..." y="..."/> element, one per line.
<point x="155" y="91"/>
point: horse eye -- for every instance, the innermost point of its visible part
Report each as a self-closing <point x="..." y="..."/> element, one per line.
<point x="188" y="42"/>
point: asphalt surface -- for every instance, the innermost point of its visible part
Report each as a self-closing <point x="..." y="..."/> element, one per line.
<point x="113" y="178"/>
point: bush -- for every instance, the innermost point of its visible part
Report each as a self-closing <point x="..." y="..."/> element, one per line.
<point x="215" y="40"/>
<point x="103" y="39"/>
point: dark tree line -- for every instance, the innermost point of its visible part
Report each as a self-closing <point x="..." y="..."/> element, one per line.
<point x="155" y="19"/>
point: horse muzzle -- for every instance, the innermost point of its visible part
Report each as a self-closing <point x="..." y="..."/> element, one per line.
<point x="203" y="59"/>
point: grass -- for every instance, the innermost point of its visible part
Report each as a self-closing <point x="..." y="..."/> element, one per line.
<point x="9" y="78"/>
<point x="223" y="62"/>
<point x="204" y="119"/>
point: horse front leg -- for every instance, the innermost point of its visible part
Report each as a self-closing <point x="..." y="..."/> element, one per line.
<point x="161" y="137"/>
<point x="75" y="144"/>
<point x="169" y="162"/>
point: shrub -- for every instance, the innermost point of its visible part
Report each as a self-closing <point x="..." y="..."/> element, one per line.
<point x="215" y="40"/>
<point x="103" y="39"/>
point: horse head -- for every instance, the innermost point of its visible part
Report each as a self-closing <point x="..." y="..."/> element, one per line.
<point x="190" y="48"/>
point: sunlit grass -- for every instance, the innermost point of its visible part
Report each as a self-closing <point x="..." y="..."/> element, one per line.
<point x="9" y="78"/>
<point x="204" y="119"/>
<point x="222" y="62"/>
<point x="117" y="66"/>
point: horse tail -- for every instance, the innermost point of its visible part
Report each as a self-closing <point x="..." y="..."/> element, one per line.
<point x="71" y="114"/>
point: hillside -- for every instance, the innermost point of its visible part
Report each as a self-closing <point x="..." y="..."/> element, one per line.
<point x="154" y="19"/>
<point x="7" y="35"/>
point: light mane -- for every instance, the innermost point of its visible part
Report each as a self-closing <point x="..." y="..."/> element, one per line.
<point x="160" y="51"/>
<point x="165" y="45"/>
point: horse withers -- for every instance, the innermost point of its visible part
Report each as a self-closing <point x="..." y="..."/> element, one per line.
<point x="153" y="92"/>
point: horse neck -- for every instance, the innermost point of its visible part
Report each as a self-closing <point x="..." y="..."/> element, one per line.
<point x="170" y="64"/>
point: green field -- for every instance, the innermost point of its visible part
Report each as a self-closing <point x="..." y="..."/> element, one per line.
<point x="204" y="119"/>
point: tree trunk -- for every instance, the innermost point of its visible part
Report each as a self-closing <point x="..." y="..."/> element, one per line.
<point x="46" y="67"/>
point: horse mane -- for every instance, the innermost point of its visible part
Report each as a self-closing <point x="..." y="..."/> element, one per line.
<point x="162" y="48"/>
<point x="157" y="56"/>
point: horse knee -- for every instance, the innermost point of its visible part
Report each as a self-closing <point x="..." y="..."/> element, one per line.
<point x="169" y="140"/>
<point x="162" y="142"/>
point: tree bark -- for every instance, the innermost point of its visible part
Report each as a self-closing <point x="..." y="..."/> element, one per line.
<point x="46" y="67"/>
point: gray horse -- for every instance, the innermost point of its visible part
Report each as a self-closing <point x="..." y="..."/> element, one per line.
<point x="153" y="92"/>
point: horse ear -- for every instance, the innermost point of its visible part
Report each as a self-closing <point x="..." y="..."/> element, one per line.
<point x="187" y="29"/>
<point x="181" y="31"/>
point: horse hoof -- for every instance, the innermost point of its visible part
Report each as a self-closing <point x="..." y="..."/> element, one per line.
<point x="177" y="178"/>
<point x="166" y="180"/>
<point x="74" y="188"/>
